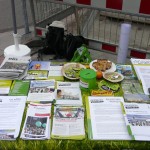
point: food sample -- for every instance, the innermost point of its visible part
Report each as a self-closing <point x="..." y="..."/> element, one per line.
<point x="102" y="65"/>
<point x="73" y="71"/>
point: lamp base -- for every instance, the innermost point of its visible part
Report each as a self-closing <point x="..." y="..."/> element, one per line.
<point x="12" y="51"/>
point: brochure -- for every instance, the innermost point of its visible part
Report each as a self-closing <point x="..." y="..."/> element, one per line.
<point x="68" y="123"/>
<point x="105" y="119"/>
<point x="19" y="88"/>
<point x="142" y="69"/>
<point x="68" y="93"/>
<point x="39" y="65"/>
<point x="38" y="70"/>
<point x="126" y="71"/>
<point x="137" y="118"/>
<point x="5" y="86"/>
<point x="11" y="113"/>
<point x="55" y="71"/>
<point x="133" y="92"/>
<point x="14" y="67"/>
<point x="42" y="91"/>
<point x="36" y="75"/>
<point x="37" y="122"/>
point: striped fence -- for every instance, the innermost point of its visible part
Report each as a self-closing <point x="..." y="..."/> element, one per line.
<point x="99" y="21"/>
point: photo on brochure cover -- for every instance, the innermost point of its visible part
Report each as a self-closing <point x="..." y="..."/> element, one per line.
<point x="68" y="94"/>
<point x="138" y="120"/>
<point x="35" y="126"/>
<point x="69" y="112"/>
<point x="6" y="136"/>
<point x="15" y="65"/>
<point x="41" y="90"/>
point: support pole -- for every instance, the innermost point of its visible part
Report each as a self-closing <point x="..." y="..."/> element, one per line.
<point x="24" y="9"/>
<point x="14" y="16"/>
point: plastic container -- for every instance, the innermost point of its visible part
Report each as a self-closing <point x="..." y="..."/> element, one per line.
<point x="87" y="79"/>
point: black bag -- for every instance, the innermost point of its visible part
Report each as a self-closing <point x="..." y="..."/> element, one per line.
<point x="72" y="43"/>
<point x="55" y="42"/>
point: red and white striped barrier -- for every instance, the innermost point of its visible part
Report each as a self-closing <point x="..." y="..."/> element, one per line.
<point x="106" y="47"/>
<point x="128" y="6"/>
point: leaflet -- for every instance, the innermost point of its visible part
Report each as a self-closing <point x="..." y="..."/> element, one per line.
<point x="133" y="92"/>
<point x="68" y="123"/>
<point x="37" y="123"/>
<point x="41" y="91"/>
<point x="39" y="65"/>
<point x="55" y="71"/>
<point x="126" y="71"/>
<point x="5" y="86"/>
<point x="14" y="67"/>
<point x="105" y="119"/>
<point x="36" y="75"/>
<point x="68" y="93"/>
<point x="142" y="68"/>
<point x="19" y="88"/>
<point x="137" y="118"/>
<point x="11" y="113"/>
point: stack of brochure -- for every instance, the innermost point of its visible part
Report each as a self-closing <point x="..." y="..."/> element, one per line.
<point x="142" y="69"/>
<point x="133" y="92"/>
<point x="55" y="71"/>
<point x="11" y="113"/>
<point x="37" y="123"/>
<point x="68" y="93"/>
<point x="126" y="71"/>
<point x="14" y="67"/>
<point x="68" y="123"/>
<point x="137" y="118"/>
<point x="19" y="88"/>
<point x="105" y="119"/>
<point x="38" y="70"/>
<point x="42" y="91"/>
<point x="5" y="86"/>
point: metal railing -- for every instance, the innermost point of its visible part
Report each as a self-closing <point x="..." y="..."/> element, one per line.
<point x="99" y="25"/>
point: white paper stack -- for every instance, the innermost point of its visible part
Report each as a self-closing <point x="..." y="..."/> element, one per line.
<point x="11" y="113"/>
<point x="105" y="119"/>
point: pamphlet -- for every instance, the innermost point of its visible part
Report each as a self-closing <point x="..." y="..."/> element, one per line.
<point x="37" y="123"/>
<point x="105" y="119"/>
<point x="19" y="88"/>
<point x="42" y="91"/>
<point x="68" y="93"/>
<point x="55" y="71"/>
<point x="126" y="71"/>
<point x="133" y="92"/>
<point x="137" y="118"/>
<point x="36" y="75"/>
<point x="11" y="113"/>
<point x="142" y="69"/>
<point x="5" y="86"/>
<point x="68" y="123"/>
<point x="38" y="70"/>
<point x="39" y="65"/>
<point x="14" y="67"/>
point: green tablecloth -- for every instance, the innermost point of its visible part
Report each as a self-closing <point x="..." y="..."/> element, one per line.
<point x="85" y="144"/>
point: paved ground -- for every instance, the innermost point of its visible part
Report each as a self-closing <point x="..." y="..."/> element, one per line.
<point x="6" y="14"/>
